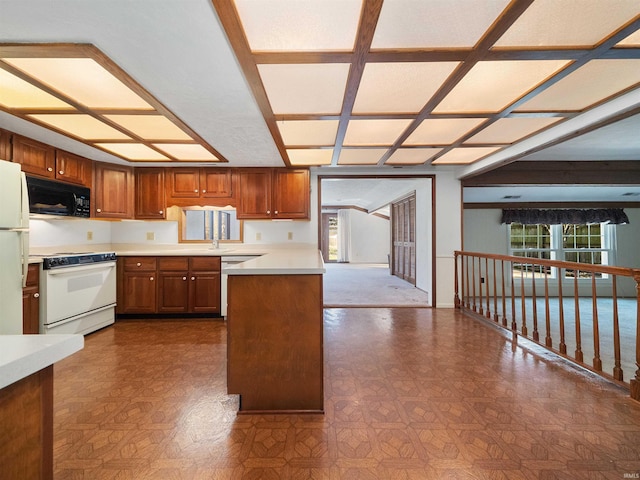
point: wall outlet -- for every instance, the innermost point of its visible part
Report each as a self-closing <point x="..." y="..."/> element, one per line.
<point x="289" y="235"/>
<point x="258" y="236"/>
<point x="89" y="235"/>
<point x="151" y="236"/>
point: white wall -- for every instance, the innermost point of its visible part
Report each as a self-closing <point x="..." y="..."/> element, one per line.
<point x="59" y="233"/>
<point x="370" y="236"/>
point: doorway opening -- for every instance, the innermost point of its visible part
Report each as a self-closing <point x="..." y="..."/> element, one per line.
<point x="373" y="259"/>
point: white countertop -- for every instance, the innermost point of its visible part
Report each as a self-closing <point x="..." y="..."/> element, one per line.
<point x="23" y="355"/>
<point x="280" y="262"/>
<point x="263" y="259"/>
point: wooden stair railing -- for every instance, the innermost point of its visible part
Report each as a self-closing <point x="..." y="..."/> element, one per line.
<point x="485" y="283"/>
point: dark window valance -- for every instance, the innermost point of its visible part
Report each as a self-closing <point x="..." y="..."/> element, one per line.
<point x="533" y="216"/>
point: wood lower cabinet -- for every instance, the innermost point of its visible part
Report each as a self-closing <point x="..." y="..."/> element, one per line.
<point x="169" y="285"/>
<point x="31" y="301"/>
<point x="137" y="285"/>
<point x="273" y="193"/>
<point x="150" y="190"/>
<point x="113" y="191"/>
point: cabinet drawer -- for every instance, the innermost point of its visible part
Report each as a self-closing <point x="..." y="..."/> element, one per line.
<point x="173" y="263"/>
<point x="207" y="264"/>
<point x="140" y="264"/>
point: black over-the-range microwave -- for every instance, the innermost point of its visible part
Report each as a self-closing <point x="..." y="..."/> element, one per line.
<point x="48" y="197"/>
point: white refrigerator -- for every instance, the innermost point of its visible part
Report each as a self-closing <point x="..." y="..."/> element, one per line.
<point x="14" y="245"/>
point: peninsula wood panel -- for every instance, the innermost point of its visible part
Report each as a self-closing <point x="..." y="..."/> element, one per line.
<point x="275" y="342"/>
<point x="26" y="432"/>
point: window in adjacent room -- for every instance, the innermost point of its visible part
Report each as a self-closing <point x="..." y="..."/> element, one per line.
<point x="583" y="243"/>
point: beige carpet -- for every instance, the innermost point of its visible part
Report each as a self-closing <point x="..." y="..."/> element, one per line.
<point x="370" y="284"/>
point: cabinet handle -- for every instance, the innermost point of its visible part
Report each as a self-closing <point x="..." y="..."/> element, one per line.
<point x="184" y="278"/>
<point x="36" y="295"/>
<point x="98" y="210"/>
<point x="61" y="172"/>
<point x="276" y="212"/>
<point x="204" y="191"/>
<point x="49" y="169"/>
<point x="268" y="212"/>
<point x="138" y="264"/>
<point x="196" y="190"/>
<point x="161" y="212"/>
<point x="193" y="278"/>
<point x="151" y="278"/>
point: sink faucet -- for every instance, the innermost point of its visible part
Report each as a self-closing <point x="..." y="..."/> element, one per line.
<point x="214" y="243"/>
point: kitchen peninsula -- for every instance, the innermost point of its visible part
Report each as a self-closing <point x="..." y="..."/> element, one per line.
<point x="275" y="332"/>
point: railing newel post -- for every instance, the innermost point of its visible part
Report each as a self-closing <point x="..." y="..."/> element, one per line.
<point x="635" y="382"/>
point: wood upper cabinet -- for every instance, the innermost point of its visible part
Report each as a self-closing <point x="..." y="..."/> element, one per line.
<point x="113" y="191"/>
<point x="5" y="145"/>
<point x="31" y="301"/>
<point x="73" y="169"/>
<point x="270" y="193"/>
<point x="189" y="186"/>
<point x="36" y="158"/>
<point x="137" y="285"/>
<point x="150" y="189"/>
<point x="45" y="161"/>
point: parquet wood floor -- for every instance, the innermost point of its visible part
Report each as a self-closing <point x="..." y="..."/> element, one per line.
<point x="409" y="394"/>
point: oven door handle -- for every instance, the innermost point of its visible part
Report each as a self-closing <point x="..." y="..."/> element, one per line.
<point x="74" y="269"/>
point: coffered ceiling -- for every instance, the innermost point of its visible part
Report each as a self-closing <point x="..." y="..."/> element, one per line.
<point x="423" y="85"/>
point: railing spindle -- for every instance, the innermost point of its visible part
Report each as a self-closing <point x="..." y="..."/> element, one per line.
<point x="504" y="297"/>
<point x="522" y="299"/>
<point x="456" y="298"/>
<point x="618" y="374"/>
<point x="514" y="324"/>
<point x="473" y="281"/>
<point x="486" y="281"/>
<point x="467" y="304"/>
<point x="534" y="307"/>
<point x="495" y="292"/>
<point x="548" y="341"/>
<point x="597" y="362"/>
<point x="578" y="353"/>
<point x="480" y="283"/>
<point x="563" y="345"/>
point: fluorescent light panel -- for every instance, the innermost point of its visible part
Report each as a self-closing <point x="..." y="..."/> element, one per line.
<point x="299" y="25"/>
<point x="492" y="85"/>
<point x="431" y="24"/>
<point x="412" y="156"/>
<point x="400" y="87"/>
<point x="309" y="157"/>
<point x="133" y="151"/>
<point x="548" y="23"/>
<point x="308" y="132"/>
<point x="305" y="88"/>
<point x="154" y="127"/>
<point x="360" y="156"/>
<point x="82" y="126"/>
<point x="81" y="79"/>
<point x="374" y="132"/>
<point x="509" y="130"/>
<point x="464" y="155"/>
<point x="441" y="131"/>
<point x="186" y="151"/>
<point x="17" y="93"/>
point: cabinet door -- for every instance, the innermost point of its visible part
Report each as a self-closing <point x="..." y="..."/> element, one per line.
<point x="173" y="294"/>
<point x="31" y="301"/>
<point x="139" y="293"/>
<point x="113" y="191"/>
<point x="216" y="183"/>
<point x="150" y="202"/>
<point x="5" y="144"/>
<point x="183" y="182"/>
<point x="290" y="194"/>
<point x="73" y="169"/>
<point x="204" y="292"/>
<point x="254" y="197"/>
<point x="35" y="157"/>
